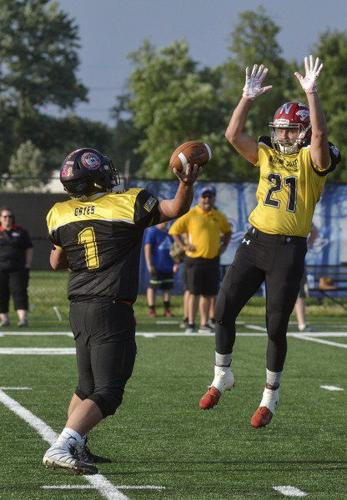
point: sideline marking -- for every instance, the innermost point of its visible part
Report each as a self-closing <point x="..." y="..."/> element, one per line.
<point x="290" y="491"/>
<point x="331" y="388"/>
<point x="255" y="327"/>
<point x="319" y="341"/>
<point x="103" y="485"/>
<point x="16" y="388"/>
<point x="89" y="487"/>
<point x="39" y="351"/>
<point x="181" y="334"/>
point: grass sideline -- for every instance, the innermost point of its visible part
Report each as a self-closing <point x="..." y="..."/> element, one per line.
<point x="159" y="436"/>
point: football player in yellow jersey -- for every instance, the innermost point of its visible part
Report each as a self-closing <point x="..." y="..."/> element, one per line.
<point x="97" y="234"/>
<point x="293" y="164"/>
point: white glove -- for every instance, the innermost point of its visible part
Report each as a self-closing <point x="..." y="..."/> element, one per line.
<point x="312" y="69"/>
<point x="254" y="80"/>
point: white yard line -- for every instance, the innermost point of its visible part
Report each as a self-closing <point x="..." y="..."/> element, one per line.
<point x="89" y="487"/>
<point x="319" y="341"/>
<point x="99" y="482"/>
<point x="38" y="351"/>
<point x="290" y="491"/>
<point x="178" y="334"/>
<point x="16" y="388"/>
<point x="36" y="334"/>
<point x="255" y="327"/>
<point x="331" y="388"/>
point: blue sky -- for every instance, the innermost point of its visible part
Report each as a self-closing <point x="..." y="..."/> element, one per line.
<point x="111" y="29"/>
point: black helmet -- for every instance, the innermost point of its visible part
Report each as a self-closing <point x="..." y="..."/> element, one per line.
<point x="86" y="171"/>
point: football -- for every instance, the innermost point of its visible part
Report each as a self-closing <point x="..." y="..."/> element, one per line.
<point x="192" y="152"/>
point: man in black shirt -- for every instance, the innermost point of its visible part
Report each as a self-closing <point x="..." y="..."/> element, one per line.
<point x="16" y="252"/>
<point x="97" y="234"/>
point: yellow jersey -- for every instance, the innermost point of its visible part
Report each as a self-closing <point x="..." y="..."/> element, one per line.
<point x="289" y="188"/>
<point x="204" y="229"/>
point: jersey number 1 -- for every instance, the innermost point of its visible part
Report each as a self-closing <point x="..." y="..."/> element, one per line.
<point x="86" y="237"/>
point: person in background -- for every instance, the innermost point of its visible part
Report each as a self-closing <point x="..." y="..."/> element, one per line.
<point x="161" y="267"/>
<point x="299" y="308"/>
<point x="208" y="233"/>
<point x="16" y="254"/>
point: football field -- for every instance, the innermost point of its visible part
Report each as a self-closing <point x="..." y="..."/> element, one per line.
<point x="160" y="443"/>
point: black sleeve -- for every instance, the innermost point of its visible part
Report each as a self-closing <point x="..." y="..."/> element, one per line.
<point x="335" y="157"/>
<point x="53" y="237"/>
<point x="26" y="241"/>
<point x="146" y="211"/>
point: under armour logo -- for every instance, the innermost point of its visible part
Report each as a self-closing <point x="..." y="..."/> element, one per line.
<point x="246" y="241"/>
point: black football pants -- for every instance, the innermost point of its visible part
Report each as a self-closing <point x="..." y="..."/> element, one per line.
<point x="14" y="283"/>
<point x="104" y="333"/>
<point x="277" y="260"/>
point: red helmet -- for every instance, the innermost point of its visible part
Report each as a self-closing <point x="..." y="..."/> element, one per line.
<point x="293" y="115"/>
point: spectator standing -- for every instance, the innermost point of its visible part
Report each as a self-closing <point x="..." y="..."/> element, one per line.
<point x="300" y="306"/>
<point x="16" y="253"/>
<point x="160" y="265"/>
<point x="208" y="233"/>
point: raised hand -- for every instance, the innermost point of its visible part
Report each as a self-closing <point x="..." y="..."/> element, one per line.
<point x="312" y="70"/>
<point x="189" y="176"/>
<point x="254" y="79"/>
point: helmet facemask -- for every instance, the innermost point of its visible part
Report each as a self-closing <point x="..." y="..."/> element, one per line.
<point x="293" y="116"/>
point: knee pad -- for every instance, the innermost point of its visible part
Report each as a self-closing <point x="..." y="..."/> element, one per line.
<point x="107" y="402"/>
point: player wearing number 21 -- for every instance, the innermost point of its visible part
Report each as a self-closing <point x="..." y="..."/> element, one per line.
<point x="293" y="164"/>
<point x="97" y="234"/>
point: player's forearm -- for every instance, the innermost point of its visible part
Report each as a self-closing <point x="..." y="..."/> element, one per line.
<point x="179" y="240"/>
<point x="28" y="257"/>
<point x="58" y="259"/>
<point x="170" y="209"/>
<point x="317" y="117"/>
<point x="236" y="126"/>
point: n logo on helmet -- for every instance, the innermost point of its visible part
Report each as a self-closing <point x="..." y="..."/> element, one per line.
<point x="286" y="108"/>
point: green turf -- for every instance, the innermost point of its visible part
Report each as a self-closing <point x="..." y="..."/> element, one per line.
<point x="160" y="437"/>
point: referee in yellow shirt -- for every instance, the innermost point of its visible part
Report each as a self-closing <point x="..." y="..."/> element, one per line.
<point x="208" y="234"/>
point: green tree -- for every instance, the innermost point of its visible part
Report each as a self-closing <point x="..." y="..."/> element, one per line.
<point x="26" y="167"/>
<point x="254" y="41"/>
<point x="172" y="101"/>
<point x="38" y="54"/>
<point x="332" y="86"/>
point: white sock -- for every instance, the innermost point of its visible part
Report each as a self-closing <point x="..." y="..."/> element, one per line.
<point x="222" y="359"/>
<point x="270" y="399"/>
<point x="273" y="378"/>
<point x="69" y="437"/>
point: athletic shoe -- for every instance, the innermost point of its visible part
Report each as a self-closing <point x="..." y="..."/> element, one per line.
<point x="22" y="323"/>
<point x="83" y="454"/>
<point x="58" y="456"/>
<point x="189" y="329"/>
<point x="305" y="328"/>
<point x="263" y="415"/>
<point x="168" y="313"/>
<point x="205" y="329"/>
<point x="223" y="381"/>
<point x="152" y="313"/>
<point x="4" y="322"/>
<point x="184" y="323"/>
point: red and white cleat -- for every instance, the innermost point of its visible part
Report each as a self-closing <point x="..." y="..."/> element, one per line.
<point x="223" y="381"/>
<point x="263" y="415"/>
